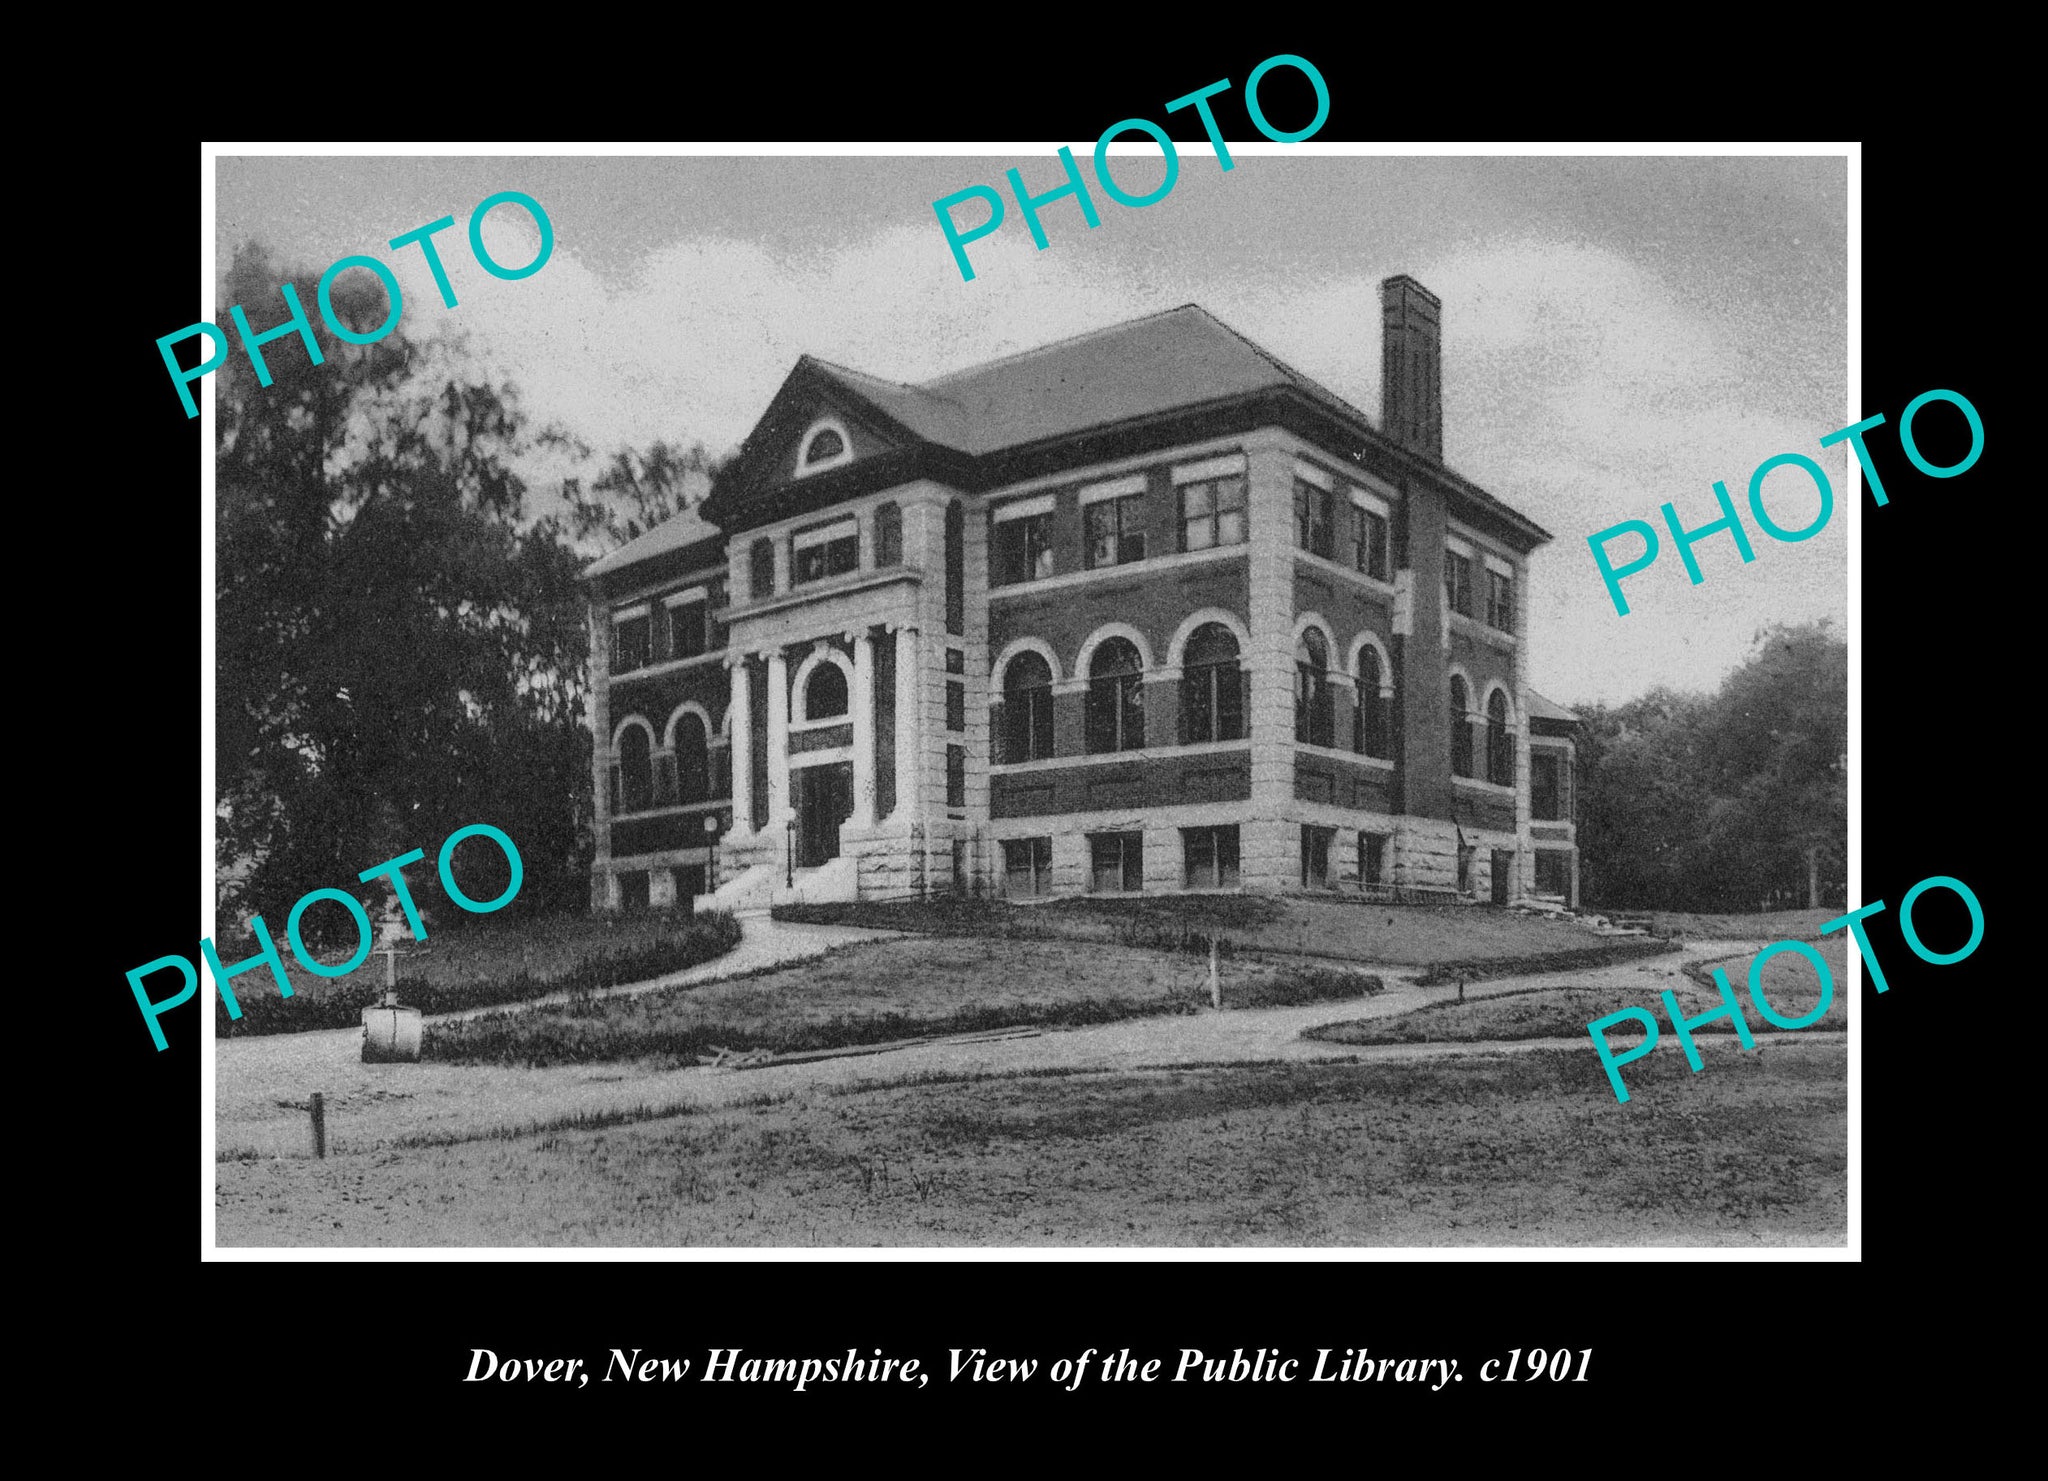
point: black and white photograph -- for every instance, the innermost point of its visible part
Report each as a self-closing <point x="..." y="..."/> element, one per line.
<point x="819" y="700"/>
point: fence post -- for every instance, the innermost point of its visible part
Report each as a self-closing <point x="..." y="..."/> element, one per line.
<point x="319" y="1124"/>
<point x="1215" y="982"/>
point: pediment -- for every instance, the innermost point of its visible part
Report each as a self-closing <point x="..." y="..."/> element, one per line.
<point x="813" y="426"/>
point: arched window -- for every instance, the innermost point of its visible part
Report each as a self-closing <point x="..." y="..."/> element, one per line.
<point x="1027" y="708"/>
<point x="1314" y="716"/>
<point x="633" y="772"/>
<point x="1211" y="687"/>
<point x="825" y="445"/>
<point x="1369" y="735"/>
<point x="825" y="692"/>
<point x="1461" y="728"/>
<point x="1500" y="745"/>
<point x="693" y="760"/>
<point x="1116" y="698"/>
<point x="761" y="570"/>
<point x="888" y="535"/>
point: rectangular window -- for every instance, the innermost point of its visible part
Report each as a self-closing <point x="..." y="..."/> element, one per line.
<point x="817" y="561"/>
<point x="956" y="705"/>
<point x="956" y="776"/>
<point x="687" y="628"/>
<point x="631" y="640"/>
<point x="1458" y="581"/>
<point x="1115" y="531"/>
<point x="1312" y="518"/>
<point x="1116" y="863"/>
<point x="956" y="569"/>
<point x="1553" y="872"/>
<point x="761" y="570"/>
<point x="956" y="660"/>
<point x="1465" y="867"/>
<point x="1500" y="601"/>
<point x="1209" y="857"/>
<point x="633" y="891"/>
<point x="1024" y="549"/>
<point x="721" y="596"/>
<point x="1027" y="866"/>
<point x="1546" y="786"/>
<point x="1315" y="856"/>
<point x="1212" y="513"/>
<point x="1370" y="553"/>
<point x="1372" y="858"/>
<point x="888" y="535"/>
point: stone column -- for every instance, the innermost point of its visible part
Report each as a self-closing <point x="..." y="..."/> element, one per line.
<point x="742" y="741"/>
<point x="778" y="739"/>
<point x="863" y="729"/>
<point x="909" y="731"/>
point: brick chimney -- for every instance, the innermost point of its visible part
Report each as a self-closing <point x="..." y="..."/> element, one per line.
<point x="1411" y="366"/>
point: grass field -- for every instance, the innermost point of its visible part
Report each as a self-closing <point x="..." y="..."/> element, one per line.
<point x="881" y="991"/>
<point x="484" y="965"/>
<point x="1788" y="982"/>
<point x="1774" y="925"/>
<point x="1350" y="930"/>
<point x="1523" y="1149"/>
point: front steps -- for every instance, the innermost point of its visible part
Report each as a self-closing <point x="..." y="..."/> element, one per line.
<point x="754" y="890"/>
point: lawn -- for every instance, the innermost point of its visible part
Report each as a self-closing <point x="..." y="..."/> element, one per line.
<point x="1523" y="1149"/>
<point x="879" y="991"/>
<point x="1563" y="1012"/>
<point x="490" y="962"/>
<point x="1347" y="929"/>
<point x="1772" y="925"/>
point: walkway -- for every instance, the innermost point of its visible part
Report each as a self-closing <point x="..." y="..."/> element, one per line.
<point x="253" y="1074"/>
<point x="375" y="1105"/>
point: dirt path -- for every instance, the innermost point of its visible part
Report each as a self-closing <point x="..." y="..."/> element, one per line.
<point x="254" y="1075"/>
<point x="376" y="1105"/>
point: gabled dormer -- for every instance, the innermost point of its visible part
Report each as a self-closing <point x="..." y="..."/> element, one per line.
<point x="826" y="444"/>
<point x="830" y="434"/>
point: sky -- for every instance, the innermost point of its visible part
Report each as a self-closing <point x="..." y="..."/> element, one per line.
<point x="1618" y="332"/>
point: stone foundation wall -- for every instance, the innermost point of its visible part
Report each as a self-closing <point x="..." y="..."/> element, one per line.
<point x="888" y="860"/>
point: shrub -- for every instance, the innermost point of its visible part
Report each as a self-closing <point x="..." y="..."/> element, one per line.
<point x="1306" y="985"/>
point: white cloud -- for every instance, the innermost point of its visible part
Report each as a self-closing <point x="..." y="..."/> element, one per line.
<point x="1579" y="386"/>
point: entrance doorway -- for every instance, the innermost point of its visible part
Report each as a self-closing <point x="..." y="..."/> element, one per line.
<point x="824" y="800"/>
<point x="1503" y="874"/>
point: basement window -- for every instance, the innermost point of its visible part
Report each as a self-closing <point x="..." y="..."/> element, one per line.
<point x="1209" y="857"/>
<point x="1116" y="863"/>
<point x="1027" y="867"/>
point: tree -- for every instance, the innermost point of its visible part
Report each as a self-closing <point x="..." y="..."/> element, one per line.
<point x="638" y="490"/>
<point x="1719" y="801"/>
<point x="1778" y="742"/>
<point x="398" y="654"/>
